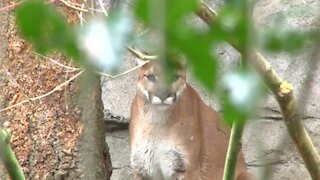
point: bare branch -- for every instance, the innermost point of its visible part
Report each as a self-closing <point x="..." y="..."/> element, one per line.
<point x="140" y="55"/>
<point x="122" y="74"/>
<point x="76" y="7"/>
<point x="12" y="6"/>
<point x="100" y="73"/>
<point x="70" y="5"/>
<point x="57" y="88"/>
<point x="57" y="63"/>
<point x="103" y="9"/>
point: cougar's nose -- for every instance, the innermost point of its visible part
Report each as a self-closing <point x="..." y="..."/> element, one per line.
<point x="163" y="94"/>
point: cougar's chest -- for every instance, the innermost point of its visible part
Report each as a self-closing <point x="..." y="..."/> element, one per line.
<point x="157" y="159"/>
<point x="155" y="153"/>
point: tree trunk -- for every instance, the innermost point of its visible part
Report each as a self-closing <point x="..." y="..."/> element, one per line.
<point x="95" y="162"/>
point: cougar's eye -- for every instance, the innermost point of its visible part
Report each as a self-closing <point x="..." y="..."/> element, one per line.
<point x="151" y="77"/>
<point x="176" y="77"/>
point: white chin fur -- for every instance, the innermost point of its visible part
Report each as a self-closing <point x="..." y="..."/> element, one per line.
<point x="168" y="101"/>
<point x="156" y="100"/>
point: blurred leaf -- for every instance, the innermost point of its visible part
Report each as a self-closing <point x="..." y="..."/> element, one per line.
<point x="152" y="12"/>
<point x="242" y="92"/>
<point x="144" y="41"/>
<point x="285" y="40"/>
<point x="231" y="115"/>
<point x="41" y="24"/>
<point x="168" y="18"/>
<point x="197" y="48"/>
<point x="104" y="41"/>
<point x="237" y="5"/>
<point x="235" y="21"/>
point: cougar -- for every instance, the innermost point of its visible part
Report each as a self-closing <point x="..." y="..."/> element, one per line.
<point x="173" y="134"/>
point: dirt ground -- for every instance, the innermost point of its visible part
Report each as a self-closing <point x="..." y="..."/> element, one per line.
<point x="34" y="124"/>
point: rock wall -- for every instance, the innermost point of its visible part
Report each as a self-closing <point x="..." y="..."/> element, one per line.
<point x="265" y="141"/>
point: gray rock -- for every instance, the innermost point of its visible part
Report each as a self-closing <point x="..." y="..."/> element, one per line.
<point x="117" y="94"/>
<point x="119" y="152"/>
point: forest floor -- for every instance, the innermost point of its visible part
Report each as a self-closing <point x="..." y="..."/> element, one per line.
<point x="26" y="75"/>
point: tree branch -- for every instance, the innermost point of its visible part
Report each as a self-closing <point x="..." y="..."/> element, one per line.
<point x="283" y="92"/>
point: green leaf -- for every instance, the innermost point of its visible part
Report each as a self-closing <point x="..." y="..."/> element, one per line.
<point x="197" y="47"/>
<point x="234" y="20"/>
<point x="242" y="92"/>
<point x="278" y="39"/>
<point x="104" y="41"/>
<point x="40" y="23"/>
<point x="168" y="19"/>
<point x="152" y="12"/>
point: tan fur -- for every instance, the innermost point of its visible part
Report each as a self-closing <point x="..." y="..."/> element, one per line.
<point x="183" y="140"/>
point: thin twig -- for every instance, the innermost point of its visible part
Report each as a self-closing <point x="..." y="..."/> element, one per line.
<point x="57" y="63"/>
<point x="100" y="73"/>
<point x="81" y="15"/>
<point x="140" y="55"/>
<point x="12" y="6"/>
<point x="70" y="5"/>
<point x="122" y="74"/>
<point x="103" y="9"/>
<point x="143" y="32"/>
<point x="74" y="6"/>
<point x="44" y="95"/>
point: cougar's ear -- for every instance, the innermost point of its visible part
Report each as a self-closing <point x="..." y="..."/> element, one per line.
<point x="184" y="63"/>
<point x="180" y="59"/>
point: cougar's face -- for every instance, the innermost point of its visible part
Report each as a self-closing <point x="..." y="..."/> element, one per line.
<point x="159" y="89"/>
